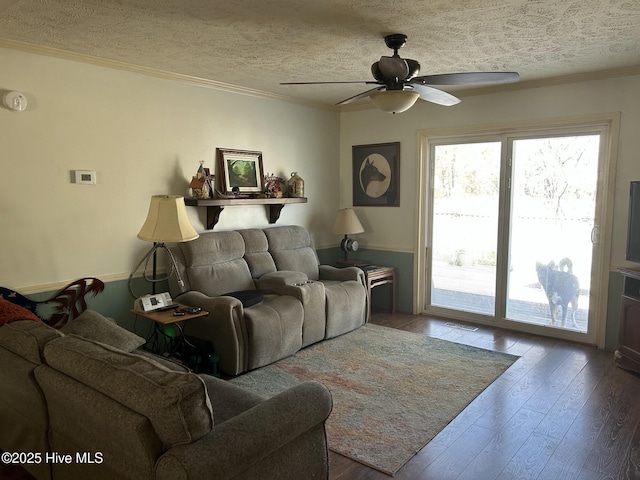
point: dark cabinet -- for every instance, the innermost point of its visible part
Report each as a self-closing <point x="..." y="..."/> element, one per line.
<point x="628" y="353"/>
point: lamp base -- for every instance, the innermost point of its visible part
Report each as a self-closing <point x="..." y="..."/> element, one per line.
<point x="348" y="245"/>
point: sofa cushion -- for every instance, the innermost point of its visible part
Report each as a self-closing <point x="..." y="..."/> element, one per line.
<point x="92" y="325"/>
<point x="247" y="297"/>
<point x="274" y="329"/>
<point x="27" y="338"/>
<point x="257" y="253"/>
<point x="176" y="403"/>
<point x="214" y="263"/>
<point x="166" y="362"/>
<point x="214" y="247"/>
<point x="292" y="249"/>
<point x="10" y="312"/>
<point x="346" y="306"/>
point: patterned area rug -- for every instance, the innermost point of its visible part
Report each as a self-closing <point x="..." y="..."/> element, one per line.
<point x="393" y="391"/>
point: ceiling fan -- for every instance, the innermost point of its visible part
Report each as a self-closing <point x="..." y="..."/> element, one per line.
<point x="399" y="87"/>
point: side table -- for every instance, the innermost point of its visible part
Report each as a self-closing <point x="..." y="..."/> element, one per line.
<point x="163" y="318"/>
<point x="375" y="275"/>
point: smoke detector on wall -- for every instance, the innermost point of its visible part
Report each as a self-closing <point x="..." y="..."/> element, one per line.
<point x="15" y="101"/>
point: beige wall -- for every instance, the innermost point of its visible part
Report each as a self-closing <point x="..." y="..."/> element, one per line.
<point x="392" y="228"/>
<point x="143" y="136"/>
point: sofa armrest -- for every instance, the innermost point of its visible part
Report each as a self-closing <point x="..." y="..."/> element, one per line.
<point x="328" y="272"/>
<point x="286" y="282"/>
<point x="224" y="328"/>
<point x="198" y="299"/>
<point x="252" y="436"/>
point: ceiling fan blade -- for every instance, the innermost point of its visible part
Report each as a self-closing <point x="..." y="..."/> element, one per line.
<point x="393" y="67"/>
<point x="360" y="95"/>
<point x="434" y="95"/>
<point x="469" y="78"/>
<point x="323" y="83"/>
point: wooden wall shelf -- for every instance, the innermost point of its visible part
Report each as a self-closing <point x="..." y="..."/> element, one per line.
<point x="216" y="205"/>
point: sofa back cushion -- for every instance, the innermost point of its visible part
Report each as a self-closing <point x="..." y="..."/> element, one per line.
<point x="24" y="420"/>
<point x="214" y="263"/>
<point x="27" y="339"/>
<point x="176" y="404"/>
<point x="292" y="249"/>
<point x="84" y="420"/>
<point x="90" y="324"/>
<point x="257" y="253"/>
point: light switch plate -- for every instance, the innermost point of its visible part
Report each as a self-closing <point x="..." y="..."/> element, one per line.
<point x="84" y="177"/>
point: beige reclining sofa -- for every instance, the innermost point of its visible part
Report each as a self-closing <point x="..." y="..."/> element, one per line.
<point x="267" y="295"/>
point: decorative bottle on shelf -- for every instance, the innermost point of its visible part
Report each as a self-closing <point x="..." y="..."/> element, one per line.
<point x="296" y="185"/>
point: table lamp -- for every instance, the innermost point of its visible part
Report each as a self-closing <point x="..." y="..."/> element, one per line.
<point x="347" y="222"/>
<point x="167" y="221"/>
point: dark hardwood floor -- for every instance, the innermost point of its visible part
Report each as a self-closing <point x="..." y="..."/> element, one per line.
<point x="562" y="411"/>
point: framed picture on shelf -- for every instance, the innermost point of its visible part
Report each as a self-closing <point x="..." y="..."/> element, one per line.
<point x="376" y="175"/>
<point x="240" y="171"/>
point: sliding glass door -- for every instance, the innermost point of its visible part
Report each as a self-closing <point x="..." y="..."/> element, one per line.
<point x="512" y="228"/>
<point x="553" y="200"/>
<point x="466" y="185"/>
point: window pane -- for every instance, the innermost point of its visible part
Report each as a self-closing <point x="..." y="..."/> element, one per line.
<point x="465" y="226"/>
<point x="552" y="217"/>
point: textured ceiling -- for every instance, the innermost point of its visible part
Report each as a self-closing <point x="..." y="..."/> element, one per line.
<point x="258" y="43"/>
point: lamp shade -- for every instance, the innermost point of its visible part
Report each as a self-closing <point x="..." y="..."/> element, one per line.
<point x="394" y="101"/>
<point x="167" y="221"/>
<point x="347" y="222"/>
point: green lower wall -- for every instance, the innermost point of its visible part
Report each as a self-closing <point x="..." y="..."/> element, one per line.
<point x="116" y="301"/>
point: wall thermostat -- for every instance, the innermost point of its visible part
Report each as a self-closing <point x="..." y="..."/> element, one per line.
<point x="84" y="177"/>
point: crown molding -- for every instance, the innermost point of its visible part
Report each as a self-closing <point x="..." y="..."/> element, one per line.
<point x="227" y="87"/>
<point x="153" y="72"/>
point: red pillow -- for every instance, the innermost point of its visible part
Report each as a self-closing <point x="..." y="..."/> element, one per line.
<point x="10" y="312"/>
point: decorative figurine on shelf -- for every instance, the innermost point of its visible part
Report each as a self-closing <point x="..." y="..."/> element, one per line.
<point x="202" y="183"/>
<point x="274" y="185"/>
<point x="295" y="185"/>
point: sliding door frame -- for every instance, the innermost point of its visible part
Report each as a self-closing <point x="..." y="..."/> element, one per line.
<point x="607" y="124"/>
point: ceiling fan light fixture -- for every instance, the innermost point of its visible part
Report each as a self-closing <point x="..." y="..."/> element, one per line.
<point x="394" y="101"/>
